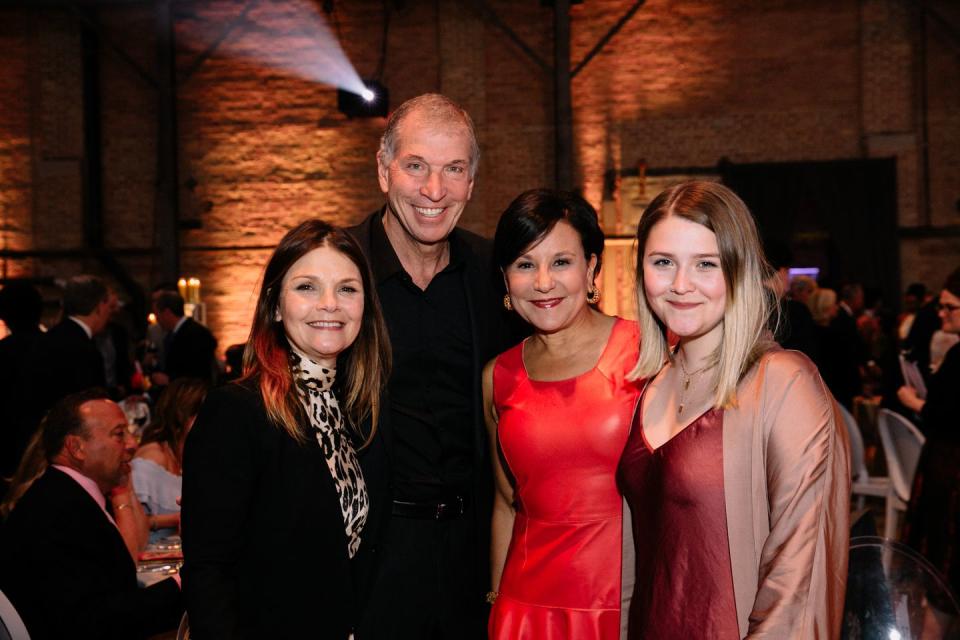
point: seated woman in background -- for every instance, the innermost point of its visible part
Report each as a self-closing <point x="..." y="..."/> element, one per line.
<point x="31" y="466"/>
<point x="276" y="506"/>
<point x="157" y="463"/>
<point x="558" y="409"/>
<point x="933" y="516"/>
<point x="736" y="469"/>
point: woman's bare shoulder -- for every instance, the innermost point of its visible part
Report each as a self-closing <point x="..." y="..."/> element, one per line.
<point x="152" y="451"/>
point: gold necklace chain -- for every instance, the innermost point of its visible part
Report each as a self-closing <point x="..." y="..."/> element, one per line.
<point x="685" y="384"/>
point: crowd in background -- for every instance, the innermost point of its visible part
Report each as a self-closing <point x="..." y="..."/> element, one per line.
<point x="856" y="338"/>
<point x="92" y="346"/>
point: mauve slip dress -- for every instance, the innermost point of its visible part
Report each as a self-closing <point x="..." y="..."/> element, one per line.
<point x="684" y="583"/>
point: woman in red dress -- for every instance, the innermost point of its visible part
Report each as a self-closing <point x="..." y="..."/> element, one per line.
<point x="558" y="409"/>
<point x="736" y="471"/>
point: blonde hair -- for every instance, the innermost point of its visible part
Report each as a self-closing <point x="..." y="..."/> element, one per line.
<point x="750" y="300"/>
<point x="820" y="303"/>
<point x="803" y="284"/>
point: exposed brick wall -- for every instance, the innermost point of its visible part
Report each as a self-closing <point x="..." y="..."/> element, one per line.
<point x="943" y="118"/>
<point x="57" y="131"/>
<point x="16" y="177"/>
<point x="129" y="130"/>
<point x="262" y="148"/>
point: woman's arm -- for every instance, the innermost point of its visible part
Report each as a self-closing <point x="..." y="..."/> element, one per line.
<point x="130" y="518"/>
<point x="501" y="526"/>
<point x="164" y="521"/>
<point x="141" y="480"/>
<point x="908" y="397"/>
<point x="803" y="562"/>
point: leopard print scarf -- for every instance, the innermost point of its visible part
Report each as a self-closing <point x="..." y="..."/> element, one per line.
<point x="315" y="388"/>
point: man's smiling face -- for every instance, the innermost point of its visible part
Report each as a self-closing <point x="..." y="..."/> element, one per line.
<point x="428" y="182"/>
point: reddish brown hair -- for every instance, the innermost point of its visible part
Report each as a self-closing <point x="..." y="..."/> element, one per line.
<point x="362" y="368"/>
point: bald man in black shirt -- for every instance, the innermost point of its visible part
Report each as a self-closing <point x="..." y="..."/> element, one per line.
<point x="445" y="321"/>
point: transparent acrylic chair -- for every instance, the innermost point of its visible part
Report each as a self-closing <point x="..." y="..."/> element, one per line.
<point x="893" y="593"/>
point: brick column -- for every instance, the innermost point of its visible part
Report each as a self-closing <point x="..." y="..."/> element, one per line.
<point x="462" y="74"/>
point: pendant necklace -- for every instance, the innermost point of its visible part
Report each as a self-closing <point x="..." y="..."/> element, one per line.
<point x="685" y="383"/>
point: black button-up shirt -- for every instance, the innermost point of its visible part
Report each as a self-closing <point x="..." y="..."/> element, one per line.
<point x="431" y="385"/>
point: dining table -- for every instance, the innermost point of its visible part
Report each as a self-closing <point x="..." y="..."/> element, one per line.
<point x="160" y="560"/>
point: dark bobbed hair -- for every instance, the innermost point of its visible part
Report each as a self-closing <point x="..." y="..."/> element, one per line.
<point x="20" y="306"/>
<point x="534" y="213"/>
<point x="177" y="404"/>
<point x="82" y="295"/>
<point x="171" y="300"/>
<point x="64" y="420"/>
<point x="953" y="283"/>
<point x="917" y="289"/>
<point x="363" y="368"/>
<point x="750" y="303"/>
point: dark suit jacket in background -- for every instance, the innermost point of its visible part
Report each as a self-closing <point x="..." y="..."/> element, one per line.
<point x="925" y="323"/>
<point x="797" y="330"/>
<point x="263" y="537"/>
<point x="842" y="352"/>
<point x="21" y="404"/>
<point x="120" y="362"/>
<point x="70" y="362"/>
<point x="67" y="571"/>
<point x="192" y="352"/>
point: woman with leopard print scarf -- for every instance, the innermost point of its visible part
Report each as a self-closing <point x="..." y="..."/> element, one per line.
<point x="284" y="469"/>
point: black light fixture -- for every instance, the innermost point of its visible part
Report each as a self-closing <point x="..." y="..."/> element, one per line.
<point x="374" y="103"/>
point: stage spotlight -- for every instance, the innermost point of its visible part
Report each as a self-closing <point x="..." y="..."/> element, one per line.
<point x="373" y="101"/>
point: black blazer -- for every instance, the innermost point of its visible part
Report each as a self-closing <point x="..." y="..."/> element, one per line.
<point x="70" y="362"/>
<point x="20" y="395"/>
<point x="67" y="571"/>
<point x="191" y="352"/>
<point x="842" y="353"/>
<point x="263" y="537"/>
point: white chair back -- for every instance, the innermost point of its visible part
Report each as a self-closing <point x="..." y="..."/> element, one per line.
<point x="902" y="443"/>
<point x="858" y="462"/>
<point x="11" y="625"/>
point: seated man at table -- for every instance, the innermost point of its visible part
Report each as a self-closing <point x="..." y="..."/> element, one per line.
<point x="63" y="563"/>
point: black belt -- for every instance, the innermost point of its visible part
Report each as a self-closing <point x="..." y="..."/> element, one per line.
<point x="449" y="509"/>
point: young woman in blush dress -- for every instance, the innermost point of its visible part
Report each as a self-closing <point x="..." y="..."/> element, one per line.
<point x="736" y="469"/>
<point x="558" y="409"/>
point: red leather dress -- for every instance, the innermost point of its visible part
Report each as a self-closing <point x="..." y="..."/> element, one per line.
<point x="561" y="441"/>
